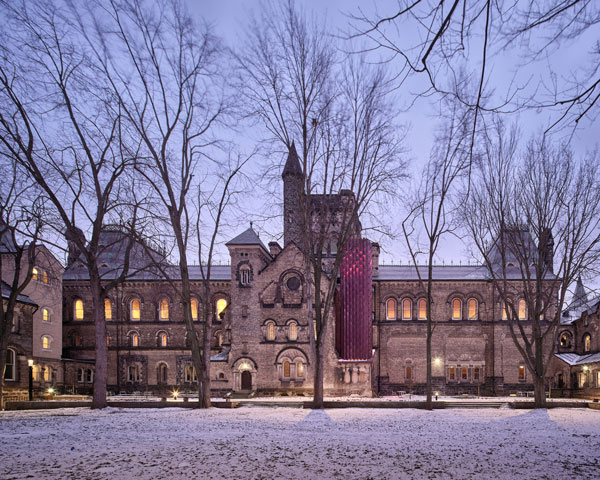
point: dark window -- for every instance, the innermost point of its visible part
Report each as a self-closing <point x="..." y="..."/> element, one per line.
<point x="293" y="283"/>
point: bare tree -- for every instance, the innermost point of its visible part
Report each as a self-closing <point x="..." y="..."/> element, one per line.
<point x="349" y="149"/>
<point x="66" y="132"/>
<point x="433" y="205"/>
<point x="534" y="218"/>
<point x="167" y="76"/>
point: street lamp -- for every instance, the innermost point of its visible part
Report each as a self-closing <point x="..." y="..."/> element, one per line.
<point x="30" y="365"/>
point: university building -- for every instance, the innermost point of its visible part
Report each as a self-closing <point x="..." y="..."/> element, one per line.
<point x="260" y="334"/>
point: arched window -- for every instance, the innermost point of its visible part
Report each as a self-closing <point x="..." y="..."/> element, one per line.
<point x="286" y="369"/>
<point x="293" y="331"/>
<point x="504" y="311"/>
<point x="46" y="341"/>
<point x="565" y="340"/>
<point x="521" y="372"/>
<point x="48" y="374"/>
<point x="45" y="315"/>
<point x="134" y="339"/>
<point x="45" y="277"/>
<point x="473" y="309"/>
<point x="219" y="338"/>
<point x="190" y="373"/>
<point x="422" y="311"/>
<point x="164" y="309"/>
<point x="221" y="305"/>
<point x="161" y="373"/>
<point x="162" y="339"/>
<point x="408" y="372"/>
<point x="456" y="309"/>
<point x="107" y="309"/>
<point x="522" y="309"/>
<point x="35" y="274"/>
<point x="299" y="369"/>
<point x="80" y="375"/>
<point x="464" y="373"/>
<point x="390" y="309"/>
<point x="476" y="374"/>
<point x="135" y="310"/>
<point x="10" y="372"/>
<point x="406" y="309"/>
<point x="194" y="304"/>
<point x="134" y="373"/>
<point x="587" y="342"/>
<point x="245" y="275"/>
<point x="36" y="373"/>
<point x="270" y="331"/>
<point x="78" y="309"/>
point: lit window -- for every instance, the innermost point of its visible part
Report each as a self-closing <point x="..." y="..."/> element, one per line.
<point x="219" y="339"/>
<point x="504" y="311"/>
<point x="78" y="309"/>
<point x="286" y="369"/>
<point x="164" y="309"/>
<point x="45" y="315"/>
<point x="406" y="309"/>
<point x="10" y="372"/>
<point x="162" y="340"/>
<point x="390" y="309"/>
<point x="422" y="309"/>
<point x="134" y="340"/>
<point x="47" y="374"/>
<point x="300" y="369"/>
<point x="45" y="342"/>
<point x="521" y="372"/>
<point x="161" y="373"/>
<point x="565" y="340"/>
<point x="45" y="277"/>
<point x="408" y="372"/>
<point x="35" y="274"/>
<point x="135" y="309"/>
<point x="542" y="310"/>
<point x="190" y="374"/>
<point x="108" y="340"/>
<point x="194" y="304"/>
<point x="522" y="309"/>
<point x="456" y="309"/>
<point x="270" y="331"/>
<point x="107" y="309"/>
<point x="221" y="306"/>
<point x="451" y="373"/>
<point x="587" y="342"/>
<point x="472" y="307"/>
<point x="293" y="335"/>
<point x="464" y="373"/>
<point x="36" y="373"/>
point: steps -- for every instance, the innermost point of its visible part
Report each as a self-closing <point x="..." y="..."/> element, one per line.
<point x="475" y="404"/>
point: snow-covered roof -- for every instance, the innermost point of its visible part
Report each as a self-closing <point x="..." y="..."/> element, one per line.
<point x="574" y="312"/>
<point x="573" y="359"/>
<point x="221" y="356"/>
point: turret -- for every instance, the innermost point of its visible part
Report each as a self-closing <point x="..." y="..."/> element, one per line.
<point x="293" y="187"/>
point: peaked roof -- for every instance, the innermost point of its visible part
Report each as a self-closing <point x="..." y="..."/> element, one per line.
<point x="579" y="297"/>
<point x="21" y="298"/>
<point x="247" y="237"/>
<point x="292" y="164"/>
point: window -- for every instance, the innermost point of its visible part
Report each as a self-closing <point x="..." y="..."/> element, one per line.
<point x="219" y="339"/>
<point x="293" y="331"/>
<point x="293" y="283"/>
<point x="161" y="373"/>
<point x="245" y="276"/>
<point x="15" y="326"/>
<point x="164" y="309"/>
<point x="522" y="309"/>
<point x="565" y="340"/>
<point x="135" y="310"/>
<point x="464" y="373"/>
<point x="190" y="374"/>
<point x="270" y="331"/>
<point x="36" y="373"/>
<point x="472" y="308"/>
<point x="194" y="304"/>
<point x="80" y="375"/>
<point x="89" y="375"/>
<point x="107" y="309"/>
<point x="542" y="310"/>
<point x="422" y="314"/>
<point x="406" y="309"/>
<point x="133" y="373"/>
<point x="45" y="315"/>
<point x="47" y="374"/>
<point x="134" y="339"/>
<point x="78" y="309"/>
<point x="162" y="339"/>
<point x="504" y="311"/>
<point x="587" y="342"/>
<point x="35" y="274"/>
<point x="220" y="308"/>
<point x="46" y="340"/>
<point x="390" y="309"/>
<point x="286" y="369"/>
<point x="408" y="372"/>
<point x="108" y="340"/>
<point x="451" y="373"/>
<point x="476" y="373"/>
<point x="10" y="372"/>
<point x="456" y="309"/>
<point x="598" y="378"/>
<point x="299" y="369"/>
<point x="76" y="340"/>
<point x="521" y="372"/>
<point x="45" y="277"/>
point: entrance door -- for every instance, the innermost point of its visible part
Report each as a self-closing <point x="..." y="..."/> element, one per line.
<point x="246" y="380"/>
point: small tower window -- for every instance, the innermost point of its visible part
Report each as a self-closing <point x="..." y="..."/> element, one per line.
<point x="194" y="304"/>
<point x="78" y="309"/>
<point x="46" y="342"/>
<point x="45" y="315"/>
<point x="300" y="369"/>
<point x="270" y="331"/>
<point x="220" y="308"/>
<point x="107" y="309"/>
<point x="134" y="339"/>
<point x="245" y="276"/>
<point x="293" y="333"/>
<point x="164" y="309"/>
<point x="587" y="342"/>
<point x="135" y="310"/>
<point x="162" y="339"/>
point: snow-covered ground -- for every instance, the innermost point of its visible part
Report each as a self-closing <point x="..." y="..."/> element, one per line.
<point x="292" y="443"/>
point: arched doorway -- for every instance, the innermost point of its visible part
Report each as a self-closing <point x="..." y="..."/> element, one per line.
<point x="246" y="380"/>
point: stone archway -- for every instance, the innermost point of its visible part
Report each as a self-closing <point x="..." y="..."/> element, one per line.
<point x="246" y="380"/>
<point x="244" y="374"/>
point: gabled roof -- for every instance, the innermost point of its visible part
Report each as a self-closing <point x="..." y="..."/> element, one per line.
<point x="6" y="289"/>
<point x="292" y="164"/>
<point x="573" y="359"/>
<point x="247" y="237"/>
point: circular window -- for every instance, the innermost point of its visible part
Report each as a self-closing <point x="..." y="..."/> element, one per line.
<point x="293" y="283"/>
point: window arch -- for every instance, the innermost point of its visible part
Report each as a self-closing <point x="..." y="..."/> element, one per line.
<point x="135" y="310"/>
<point x="422" y="309"/>
<point x="390" y="309"/>
<point x="587" y="342"/>
<point x="293" y="331"/>
<point x="270" y="330"/>
<point x="194" y="307"/>
<point x="407" y="309"/>
<point x="10" y="372"/>
<point x="522" y="309"/>
<point x="45" y="315"/>
<point x="456" y="309"/>
<point x="473" y="309"/>
<point x="162" y="339"/>
<point x="286" y="369"/>
<point x="46" y="342"/>
<point x="565" y="340"/>
<point x="163" y="310"/>
<point x="220" y="306"/>
<point x="78" y="309"/>
<point x="408" y="372"/>
<point x="161" y="373"/>
<point x="107" y="309"/>
<point x="134" y="339"/>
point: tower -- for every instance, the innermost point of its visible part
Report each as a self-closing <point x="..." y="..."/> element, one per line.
<point x="293" y="187"/>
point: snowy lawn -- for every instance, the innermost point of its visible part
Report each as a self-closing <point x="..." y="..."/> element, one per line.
<point x="291" y="443"/>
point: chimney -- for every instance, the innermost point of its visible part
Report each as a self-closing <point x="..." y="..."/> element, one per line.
<point x="375" y="250"/>
<point x="274" y="249"/>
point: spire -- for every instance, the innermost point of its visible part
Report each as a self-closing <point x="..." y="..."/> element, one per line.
<point x="579" y="297"/>
<point x="292" y="164"/>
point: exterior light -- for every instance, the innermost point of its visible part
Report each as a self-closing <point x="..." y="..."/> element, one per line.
<point x="175" y="394"/>
<point x="30" y="362"/>
<point x="51" y="390"/>
<point x="586" y="368"/>
<point x="437" y="361"/>
<point x="436" y="395"/>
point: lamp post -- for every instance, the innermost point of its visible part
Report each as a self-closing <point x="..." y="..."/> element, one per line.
<point x="30" y="365"/>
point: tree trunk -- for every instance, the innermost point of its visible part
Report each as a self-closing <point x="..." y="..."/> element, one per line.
<point x="99" y="397"/>
<point x="318" y="383"/>
<point x="204" y="375"/>
<point x="3" y="352"/>
<point x="428" y="401"/>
